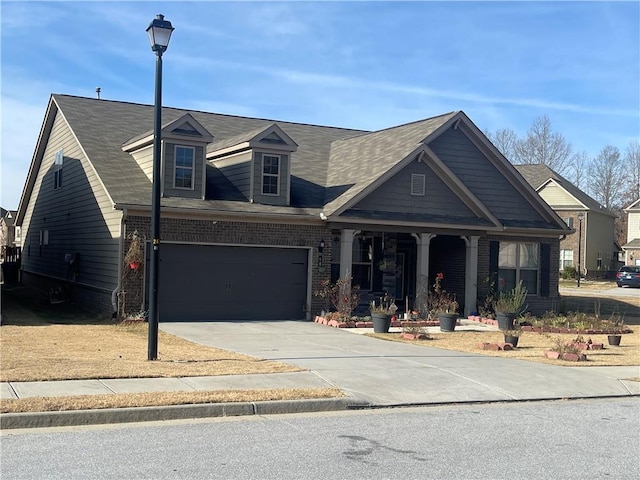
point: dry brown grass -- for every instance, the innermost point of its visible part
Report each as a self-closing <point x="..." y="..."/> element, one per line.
<point x="83" y="402"/>
<point x="64" y="352"/>
<point x="531" y="346"/>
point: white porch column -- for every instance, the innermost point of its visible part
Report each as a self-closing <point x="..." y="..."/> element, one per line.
<point x="422" y="241"/>
<point x="346" y="250"/>
<point x="471" y="274"/>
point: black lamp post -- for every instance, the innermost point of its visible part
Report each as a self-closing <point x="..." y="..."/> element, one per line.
<point x="159" y="32"/>
<point x="580" y="217"/>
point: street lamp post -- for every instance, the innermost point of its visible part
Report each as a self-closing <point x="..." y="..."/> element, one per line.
<point x="159" y="31"/>
<point x="580" y="217"/>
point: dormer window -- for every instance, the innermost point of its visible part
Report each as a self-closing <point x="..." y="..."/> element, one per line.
<point x="270" y="174"/>
<point x="183" y="177"/>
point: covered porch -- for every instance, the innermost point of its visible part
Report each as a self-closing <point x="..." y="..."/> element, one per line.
<point x="399" y="263"/>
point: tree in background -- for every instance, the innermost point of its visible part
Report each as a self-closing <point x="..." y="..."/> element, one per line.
<point x="580" y="165"/>
<point x="610" y="178"/>
<point x="606" y="177"/>
<point x="631" y="170"/>
<point x="544" y="146"/>
<point x="505" y="140"/>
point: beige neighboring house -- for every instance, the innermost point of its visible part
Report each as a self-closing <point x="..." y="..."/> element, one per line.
<point x="9" y="233"/>
<point x="594" y="239"/>
<point x="632" y="248"/>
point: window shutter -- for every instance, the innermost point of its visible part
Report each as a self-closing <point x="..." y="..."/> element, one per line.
<point x="545" y="269"/>
<point x="494" y="251"/>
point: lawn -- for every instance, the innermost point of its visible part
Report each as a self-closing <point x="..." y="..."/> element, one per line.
<point x="39" y="344"/>
<point x="531" y="346"/>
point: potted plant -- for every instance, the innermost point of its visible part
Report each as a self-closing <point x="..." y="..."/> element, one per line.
<point x="444" y="306"/>
<point x="381" y="313"/>
<point x="508" y="305"/>
<point x="615" y="332"/>
<point x="135" y="254"/>
<point x="512" y="336"/>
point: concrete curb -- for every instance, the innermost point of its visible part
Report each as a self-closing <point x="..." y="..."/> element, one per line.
<point x="172" y="412"/>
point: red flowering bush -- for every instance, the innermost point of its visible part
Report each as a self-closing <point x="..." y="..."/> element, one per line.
<point x="439" y="300"/>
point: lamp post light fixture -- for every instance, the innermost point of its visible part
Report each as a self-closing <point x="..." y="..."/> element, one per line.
<point x="580" y="217"/>
<point x="159" y="31"/>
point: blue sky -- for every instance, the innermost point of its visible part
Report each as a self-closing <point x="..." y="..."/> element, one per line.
<point x="366" y="65"/>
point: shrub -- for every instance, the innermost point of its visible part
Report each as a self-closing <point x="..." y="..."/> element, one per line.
<point x="569" y="272"/>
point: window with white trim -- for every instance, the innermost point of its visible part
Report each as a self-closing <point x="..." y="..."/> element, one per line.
<point x="418" y="183"/>
<point x="184" y="166"/>
<point x="57" y="169"/>
<point x="518" y="262"/>
<point x="566" y="259"/>
<point x="270" y="174"/>
<point x="362" y="261"/>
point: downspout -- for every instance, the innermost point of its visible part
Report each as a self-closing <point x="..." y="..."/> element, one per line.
<point x="114" y="294"/>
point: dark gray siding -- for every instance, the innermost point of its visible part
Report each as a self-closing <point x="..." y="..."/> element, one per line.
<point x="395" y="195"/>
<point x="283" y="180"/>
<point x="482" y="177"/>
<point x="78" y="216"/>
<point x="238" y="170"/>
<point x="169" y="172"/>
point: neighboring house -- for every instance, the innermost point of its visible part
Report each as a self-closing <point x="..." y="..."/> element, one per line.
<point x="256" y="213"/>
<point x="632" y="248"/>
<point x="593" y="224"/>
<point x="9" y="234"/>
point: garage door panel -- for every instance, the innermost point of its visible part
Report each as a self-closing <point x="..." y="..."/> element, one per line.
<point x="231" y="283"/>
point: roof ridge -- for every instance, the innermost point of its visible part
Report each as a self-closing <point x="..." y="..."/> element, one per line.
<point x="204" y="112"/>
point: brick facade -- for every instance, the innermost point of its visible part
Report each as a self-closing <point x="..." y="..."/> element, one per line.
<point x="230" y="233"/>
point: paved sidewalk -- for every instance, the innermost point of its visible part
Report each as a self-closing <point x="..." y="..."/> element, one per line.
<point x="373" y="373"/>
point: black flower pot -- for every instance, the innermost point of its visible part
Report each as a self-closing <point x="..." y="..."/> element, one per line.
<point x="447" y="321"/>
<point x="505" y="320"/>
<point x="614" y="340"/>
<point x="381" y="322"/>
<point x="513" y="340"/>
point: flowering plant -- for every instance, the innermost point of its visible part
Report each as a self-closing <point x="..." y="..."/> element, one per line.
<point x="386" y="306"/>
<point x="439" y="300"/>
<point x="342" y="296"/>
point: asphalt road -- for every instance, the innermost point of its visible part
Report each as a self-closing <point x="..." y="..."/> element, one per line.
<point x="538" y="440"/>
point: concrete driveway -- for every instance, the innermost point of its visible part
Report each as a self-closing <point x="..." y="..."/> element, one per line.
<point x="384" y="373"/>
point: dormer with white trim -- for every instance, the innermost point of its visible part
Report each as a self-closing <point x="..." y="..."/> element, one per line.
<point x="183" y="165"/>
<point x="258" y="163"/>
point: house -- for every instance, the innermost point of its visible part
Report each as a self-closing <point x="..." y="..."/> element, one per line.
<point x="9" y="234"/>
<point x="632" y="248"/>
<point x="594" y="224"/>
<point x="255" y="213"/>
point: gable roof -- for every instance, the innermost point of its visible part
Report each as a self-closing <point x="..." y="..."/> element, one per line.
<point x="634" y="207"/>
<point x="539" y="176"/>
<point x="331" y="168"/>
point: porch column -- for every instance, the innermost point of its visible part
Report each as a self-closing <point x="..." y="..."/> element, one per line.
<point x="471" y="274"/>
<point x="422" y="241"/>
<point x="346" y="250"/>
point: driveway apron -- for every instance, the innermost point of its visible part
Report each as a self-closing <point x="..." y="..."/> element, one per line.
<point x="384" y="373"/>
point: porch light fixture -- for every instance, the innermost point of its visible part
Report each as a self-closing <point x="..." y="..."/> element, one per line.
<point x="580" y="217"/>
<point x="321" y="246"/>
<point x="159" y="31"/>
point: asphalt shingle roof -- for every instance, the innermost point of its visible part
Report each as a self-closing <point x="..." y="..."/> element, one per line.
<point x="537" y="175"/>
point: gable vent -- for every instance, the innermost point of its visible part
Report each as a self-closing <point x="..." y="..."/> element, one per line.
<point x="418" y="182"/>
<point x="186" y="129"/>
<point x="273" y="137"/>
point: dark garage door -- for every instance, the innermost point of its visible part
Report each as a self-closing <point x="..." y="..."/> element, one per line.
<point x="204" y="282"/>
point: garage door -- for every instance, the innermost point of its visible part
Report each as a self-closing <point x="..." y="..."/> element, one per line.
<point x="204" y="283"/>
